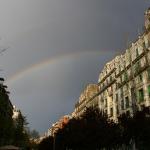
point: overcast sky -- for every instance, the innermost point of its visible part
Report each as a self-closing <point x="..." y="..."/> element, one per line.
<point x="57" y="47"/>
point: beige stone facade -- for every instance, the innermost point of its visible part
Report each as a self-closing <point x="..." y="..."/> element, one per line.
<point x="58" y="125"/>
<point x="124" y="83"/>
<point x="87" y="98"/>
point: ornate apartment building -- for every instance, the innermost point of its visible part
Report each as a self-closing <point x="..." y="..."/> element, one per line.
<point x="124" y="83"/>
<point x="87" y="98"/>
<point x="58" y="125"/>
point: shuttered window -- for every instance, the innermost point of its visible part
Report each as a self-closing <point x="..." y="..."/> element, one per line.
<point x="141" y="95"/>
<point x="149" y="90"/>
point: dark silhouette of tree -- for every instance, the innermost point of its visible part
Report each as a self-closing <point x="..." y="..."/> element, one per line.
<point x="12" y="130"/>
<point x="92" y="130"/>
<point x="6" y="121"/>
<point x="136" y="129"/>
<point x="95" y="131"/>
<point x="33" y="133"/>
<point x="46" y="144"/>
<point x="21" y="138"/>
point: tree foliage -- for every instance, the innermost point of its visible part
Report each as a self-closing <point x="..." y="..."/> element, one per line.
<point x="46" y="144"/>
<point x="12" y="131"/>
<point x="33" y="134"/>
<point x="6" y="121"/>
<point x="21" y="138"/>
<point x="95" y="131"/>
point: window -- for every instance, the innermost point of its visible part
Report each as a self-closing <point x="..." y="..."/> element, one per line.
<point x="137" y="52"/>
<point x="144" y="45"/>
<point x="149" y="90"/>
<point x="125" y="76"/>
<point x="121" y="92"/>
<point x="140" y="78"/>
<point x="108" y="81"/>
<point x="116" y="85"/>
<point x="117" y="109"/>
<point x="105" y="102"/>
<point x="127" y="101"/>
<point x="116" y="97"/>
<point x="110" y="78"/>
<point x="128" y="113"/>
<point x="122" y="104"/>
<point x="147" y="44"/>
<point x="119" y="68"/>
<point x="141" y="95"/>
<point x="111" y="112"/>
<point x="137" y="67"/>
<point x="148" y="73"/>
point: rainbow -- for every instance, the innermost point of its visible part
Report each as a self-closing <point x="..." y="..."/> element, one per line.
<point x="49" y="61"/>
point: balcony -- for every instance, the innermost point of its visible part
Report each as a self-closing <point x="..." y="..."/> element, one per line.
<point x="107" y="76"/>
<point x="145" y="51"/>
<point x="140" y="69"/>
<point x="120" y="84"/>
<point x="107" y="85"/>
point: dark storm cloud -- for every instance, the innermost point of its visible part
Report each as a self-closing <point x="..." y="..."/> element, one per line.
<point x="51" y="91"/>
<point x="37" y="30"/>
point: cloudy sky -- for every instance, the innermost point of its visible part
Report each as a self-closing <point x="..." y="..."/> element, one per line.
<point x="57" y="47"/>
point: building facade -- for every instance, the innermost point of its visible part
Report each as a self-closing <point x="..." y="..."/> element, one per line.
<point x="124" y="83"/>
<point x="58" y="125"/>
<point x="88" y="98"/>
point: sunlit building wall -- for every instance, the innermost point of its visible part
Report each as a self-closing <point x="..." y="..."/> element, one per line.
<point x="124" y="83"/>
<point x="87" y="99"/>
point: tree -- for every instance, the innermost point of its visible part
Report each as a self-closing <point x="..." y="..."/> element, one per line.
<point x="46" y="144"/>
<point x="6" y="121"/>
<point x="21" y="138"/>
<point x="92" y="130"/>
<point x="33" y="134"/>
<point x="136" y="129"/>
